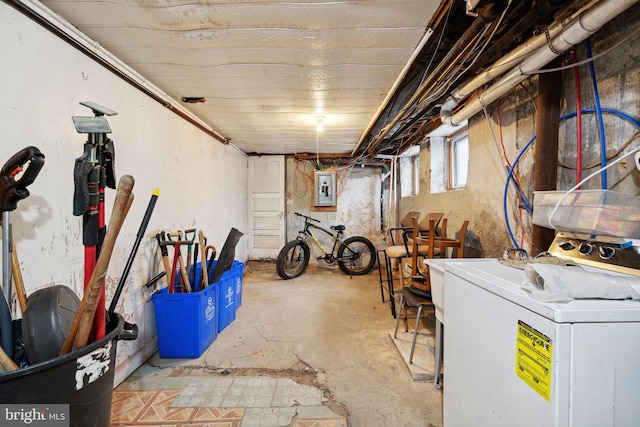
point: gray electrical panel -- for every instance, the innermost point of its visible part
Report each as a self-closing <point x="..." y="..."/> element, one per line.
<point x="325" y="188"/>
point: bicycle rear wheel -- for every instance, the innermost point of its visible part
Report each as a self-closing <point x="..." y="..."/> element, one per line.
<point x="293" y="259"/>
<point x="356" y="256"/>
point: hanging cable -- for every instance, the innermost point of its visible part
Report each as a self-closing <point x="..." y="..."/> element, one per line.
<point x="521" y="197"/>
<point x="576" y="76"/>
<point x="301" y="174"/>
<point x="506" y="191"/>
<point x="501" y="149"/>
<point x="617" y="113"/>
<point x="596" y="96"/>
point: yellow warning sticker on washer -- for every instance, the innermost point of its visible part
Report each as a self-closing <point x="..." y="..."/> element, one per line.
<point x="533" y="359"/>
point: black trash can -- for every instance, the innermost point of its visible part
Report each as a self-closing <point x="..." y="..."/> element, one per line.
<point x="83" y="379"/>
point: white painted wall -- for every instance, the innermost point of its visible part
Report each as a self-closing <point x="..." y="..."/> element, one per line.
<point x="358" y="202"/>
<point x="202" y="182"/>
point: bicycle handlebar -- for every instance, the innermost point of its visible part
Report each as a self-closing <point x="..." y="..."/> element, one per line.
<point x="307" y="217"/>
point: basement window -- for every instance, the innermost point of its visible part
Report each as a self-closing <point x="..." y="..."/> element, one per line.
<point x="449" y="161"/>
<point x="458" y="160"/>
<point x="410" y="172"/>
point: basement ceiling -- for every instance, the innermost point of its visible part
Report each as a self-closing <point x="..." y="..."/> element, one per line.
<point x="263" y="73"/>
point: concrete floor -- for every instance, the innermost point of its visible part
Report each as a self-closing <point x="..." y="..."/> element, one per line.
<point x="324" y="331"/>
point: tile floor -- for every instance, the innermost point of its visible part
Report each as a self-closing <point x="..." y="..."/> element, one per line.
<point x="217" y="401"/>
<point x="250" y="377"/>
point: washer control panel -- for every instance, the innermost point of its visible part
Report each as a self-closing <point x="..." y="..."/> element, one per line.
<point x="608" y="253"/>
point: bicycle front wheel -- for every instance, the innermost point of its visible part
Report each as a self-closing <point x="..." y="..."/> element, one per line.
<point x="356" y="256"/>
<point x="293" y="259"/>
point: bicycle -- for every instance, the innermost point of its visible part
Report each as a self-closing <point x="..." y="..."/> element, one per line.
<point x="355" y="255"/>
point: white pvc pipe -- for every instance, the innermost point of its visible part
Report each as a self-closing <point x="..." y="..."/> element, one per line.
<point x="516" y="56"/>
<point x="587" y="24"/>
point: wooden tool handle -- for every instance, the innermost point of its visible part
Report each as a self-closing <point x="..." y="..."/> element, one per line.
<point x="203" y="262"/>
<point x="81" y="326"/>
<point x="6" y="362"/>
<point x="17" y="277"/>
<point x="167" y="267"/>
<point x="183" y="273"/>
<point x="165" y="255"/>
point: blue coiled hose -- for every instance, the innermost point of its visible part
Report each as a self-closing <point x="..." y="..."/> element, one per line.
<point x="617" y="113"/>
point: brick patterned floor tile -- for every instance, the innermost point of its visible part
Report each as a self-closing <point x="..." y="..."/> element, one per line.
<point x="332" y="422"/>
<point x="127" y="405"/>
<point x="217" y="414"/>
<point x="160" y="409"/>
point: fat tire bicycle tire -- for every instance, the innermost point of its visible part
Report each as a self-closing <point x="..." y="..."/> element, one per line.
<point x="363" y="252"/>
<point x="293" y="259"/>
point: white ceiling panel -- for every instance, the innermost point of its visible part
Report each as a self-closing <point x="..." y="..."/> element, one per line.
<point x="265" y="68"/>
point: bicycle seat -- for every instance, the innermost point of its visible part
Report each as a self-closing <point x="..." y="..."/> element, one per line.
<point x="338" y="227"/>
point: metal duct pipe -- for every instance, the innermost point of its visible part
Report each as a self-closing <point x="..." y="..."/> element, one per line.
<point x="587" y="24"/>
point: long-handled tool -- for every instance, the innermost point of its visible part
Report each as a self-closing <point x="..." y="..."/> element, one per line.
<point x="11" y="192"/>
<point x="165" y="256"/>
<point x="151" y="287"/>
<point x="171" y="267"/>
<point x="192" y="239"/>
<point x="227" y="255"/>
<point x="93" y="171"/>
<point x="211" y="256"/>
<point x="183" y="272"/>
<point x="18" y="280"/>
<point x="17" y="277"/>
<point x="134" y="251"/>
<point x="79" y="333"/>
<point x="196" y="252"/>
<point x="204" y="273"/>
<point x="174" y="267"/>
<point x="6" y="362"/>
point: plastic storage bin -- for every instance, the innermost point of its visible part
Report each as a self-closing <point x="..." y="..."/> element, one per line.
<point x="187" y="323"/>
<point x="82" y="379"/>
<point x="237" y="271"/>
<point x="230" y="294"/>
<point x="227" y="299"/>
<point x="600" y="212"/>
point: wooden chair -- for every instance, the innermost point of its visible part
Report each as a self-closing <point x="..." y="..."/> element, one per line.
<point x="443" y="243"/>
<point x="381" y="248"/>
<point x="418" y="294"/>
<point x="423" y="225"/>
<point x="402" y="251"/>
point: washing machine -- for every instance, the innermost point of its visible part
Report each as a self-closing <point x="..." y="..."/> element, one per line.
<point x="511" y="360"/>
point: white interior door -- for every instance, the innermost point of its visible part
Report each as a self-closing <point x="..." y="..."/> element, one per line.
<point x="266" y="206"/>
